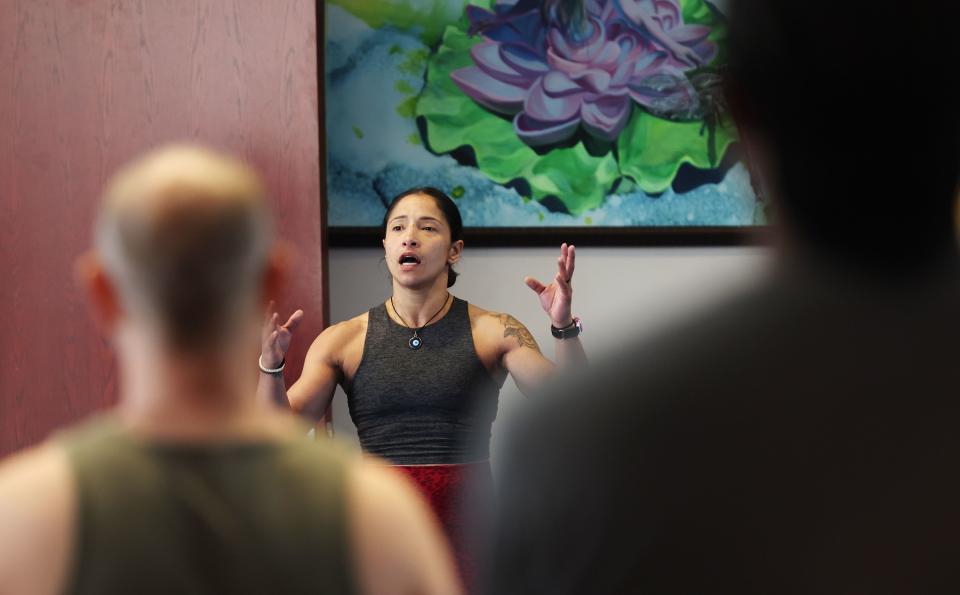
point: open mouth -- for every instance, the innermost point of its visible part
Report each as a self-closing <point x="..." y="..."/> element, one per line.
<point x="409" y="260"/>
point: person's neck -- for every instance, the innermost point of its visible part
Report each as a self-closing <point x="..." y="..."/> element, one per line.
<point x="190" y="396"/>
<point x="417" y="305"/>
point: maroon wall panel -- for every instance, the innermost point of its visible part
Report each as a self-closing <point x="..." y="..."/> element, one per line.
<point x="85" y="85"/>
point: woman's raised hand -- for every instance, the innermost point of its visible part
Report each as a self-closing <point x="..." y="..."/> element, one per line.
<point x="275" y="338"/>
<point x="555" y="298"/>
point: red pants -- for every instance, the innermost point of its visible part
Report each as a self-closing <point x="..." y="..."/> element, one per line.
<point x="457" y="494"/>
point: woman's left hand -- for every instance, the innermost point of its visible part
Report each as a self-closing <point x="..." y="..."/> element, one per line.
<point x="555" y="298"/>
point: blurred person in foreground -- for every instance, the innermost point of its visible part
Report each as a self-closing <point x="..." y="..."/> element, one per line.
<point x="190" y="486"/>
<point x="801" y="437"/>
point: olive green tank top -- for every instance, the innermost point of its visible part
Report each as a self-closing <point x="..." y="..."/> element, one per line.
<point x="164" y="518"/>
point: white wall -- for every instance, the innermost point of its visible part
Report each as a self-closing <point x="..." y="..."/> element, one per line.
<point x="618" y="292"/>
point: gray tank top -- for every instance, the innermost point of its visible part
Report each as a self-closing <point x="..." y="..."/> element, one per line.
<point x="430" y="406"/>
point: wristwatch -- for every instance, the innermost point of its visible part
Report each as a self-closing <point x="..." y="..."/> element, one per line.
<point x="567" y="332"/>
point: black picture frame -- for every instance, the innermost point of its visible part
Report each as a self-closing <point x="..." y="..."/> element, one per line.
<point x="546" y="236"/>
<point x="505" y="237"/>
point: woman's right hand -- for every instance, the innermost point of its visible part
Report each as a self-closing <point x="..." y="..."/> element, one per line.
<point x="275" y="338"/>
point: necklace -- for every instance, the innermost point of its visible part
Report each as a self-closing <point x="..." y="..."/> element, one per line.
<point x="415" y="341"/>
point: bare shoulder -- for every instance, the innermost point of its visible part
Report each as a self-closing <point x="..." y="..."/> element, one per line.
<point x="502" y="327"/>
<point x="370" y="480"/>
<point x="368" y="484"/>
<point x="37" y="507"/>
<point x="33" y="473"/>
<point x="398" y="545"/>
<point x="481" y="321"/>
<point x="346" y="329"/>
<point x="336" y="337"/>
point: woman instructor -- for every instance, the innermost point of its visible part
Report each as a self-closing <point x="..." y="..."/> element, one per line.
<point x="423" y="370"/>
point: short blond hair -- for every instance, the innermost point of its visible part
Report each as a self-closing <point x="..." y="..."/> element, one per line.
<point x="185" y="232"/>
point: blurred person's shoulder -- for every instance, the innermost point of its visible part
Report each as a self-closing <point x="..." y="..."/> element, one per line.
<point x="678" y="432"/>
<point x="785" y="345"/>
<point x="396" y="541"/>
<point x="781" y="344"/>
<point x="36" y="511"/>
<point x="624" y="379"/>
<point x="34" y="471"/>
<point x="277" y="450"/>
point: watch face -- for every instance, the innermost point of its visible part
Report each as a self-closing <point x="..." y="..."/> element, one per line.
<point x="569" y="332"/>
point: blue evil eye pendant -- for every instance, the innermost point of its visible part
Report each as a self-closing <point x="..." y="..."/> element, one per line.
<point x="415" y="342"/>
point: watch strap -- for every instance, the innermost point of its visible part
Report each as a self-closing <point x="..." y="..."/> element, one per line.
<point x="567" y="332"/>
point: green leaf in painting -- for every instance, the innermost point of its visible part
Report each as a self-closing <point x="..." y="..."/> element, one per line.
<point x="579" y="179"/>
<point x="652" y="149"/>
<point x="427" y="17"/>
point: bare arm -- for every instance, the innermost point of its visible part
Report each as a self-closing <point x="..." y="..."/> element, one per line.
<point x="311" y="394"/>
<point x="556" y="300"/>
<point x="570" y="353"/>
<point x="397" y="544"/>
<point x="274" y="342"/>
<point x="523" y="359"/>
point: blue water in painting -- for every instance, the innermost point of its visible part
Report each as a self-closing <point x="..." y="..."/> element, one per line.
<point x="374" y="153"/>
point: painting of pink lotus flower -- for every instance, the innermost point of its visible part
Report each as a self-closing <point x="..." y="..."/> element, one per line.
<point x="555" y="76"/>
<point x="587" y="114"/>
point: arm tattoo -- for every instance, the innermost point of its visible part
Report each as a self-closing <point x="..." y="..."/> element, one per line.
<point x="514" y="328"/>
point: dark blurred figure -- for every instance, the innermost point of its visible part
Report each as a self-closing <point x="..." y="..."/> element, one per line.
<point x="802" y="438"/>
<point x="189" y="486"/>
